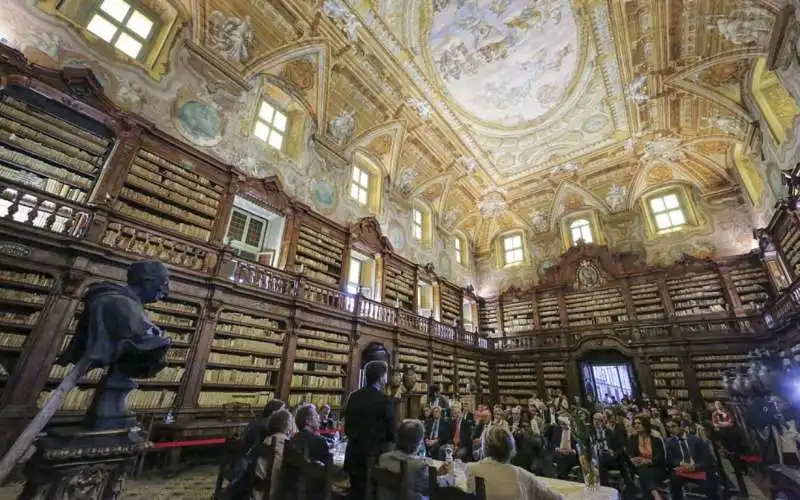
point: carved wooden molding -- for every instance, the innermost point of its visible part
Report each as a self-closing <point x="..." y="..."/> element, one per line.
<point x="366" y="233"/>
<point x="268" y="190"/>
<point x="614" y="264"/>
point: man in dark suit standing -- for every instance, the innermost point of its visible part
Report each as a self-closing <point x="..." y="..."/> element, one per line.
<point x="462" y="434"/>
<point x="437" y="433"/>
<point x="369" y="425"/>
<point x="314" y="445"/>
<point x="689" y="460"/>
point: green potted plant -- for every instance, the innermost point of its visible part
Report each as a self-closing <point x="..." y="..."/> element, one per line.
<point x="586" y="438"/>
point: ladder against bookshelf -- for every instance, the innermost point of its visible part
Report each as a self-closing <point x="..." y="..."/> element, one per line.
<point x="752" y="285"/>
<point x="488" y="315"/>
<point x="320" y="250"/>
<point x="451" y="304"/>
<point x="400" y="282"/>
<point x="668" y="378"/>
<point x="170" y="194"/>
<point x="418" y="358"/>
<point x="483" y="371"/>
<point x="709" y="370"/>
<point x="444" y="372"/>
<point x="697" y="293"/>
<point x="596" y="307"/>
<point x="319" y="372"/>
<point x="647" y="301"/>
<point x="517" y="315"/>
<point x="517" y="381"/>
<point x="549" y="313"/>
<point x="23" y="295"/>
<point x="555" y="375"/>
<point x="244" y="360"/>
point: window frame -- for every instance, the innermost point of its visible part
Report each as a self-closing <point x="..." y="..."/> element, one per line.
<point x="585" y="225"/>
<point x="270" y="125"/>
<point x="354" y="287"/>
<point x="94" y="9"/>
<point x="418" y="226"/>
<point x="243" y="245"/>
<point x="356" y="184"/>
<point x="667" y="211"/>
<point x="459" y="251"/>
<point x="505" y="250"/>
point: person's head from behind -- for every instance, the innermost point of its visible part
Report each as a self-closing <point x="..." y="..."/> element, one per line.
<point x="307" y="417"/>
<point x="498" y="444"/>
<point x="279" y="422"/>
<point x="409" y="436"/>
<point x="376" y="373"/>
<point x="271" y="407"/>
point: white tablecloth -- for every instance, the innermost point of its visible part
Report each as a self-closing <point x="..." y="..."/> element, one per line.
<point x="570" y="490"/>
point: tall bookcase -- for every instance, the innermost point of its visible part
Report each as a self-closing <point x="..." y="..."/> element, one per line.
<point x="467" y="371"/>
<point x="444" y="372"/>
<point x="488" y="316"/>
<point x="451" y="304"/>
<point x="697" y="293"/>
<point x="709" y="370"/>
<point x="596" y="307"/>
<point x="319" y="374"/>
<point x="400" y="283"/>
<point x="549" y="312"/>
<point x="555" y="375"/>
<point x="646" y="298"/>
<point x="787" y="234"/>
<point x="517" y="315"/>
<point x="669" y="379"/>
<point x="321" y="252"/>
<point x="517" y="381"/>
<point x="752" y="285"/>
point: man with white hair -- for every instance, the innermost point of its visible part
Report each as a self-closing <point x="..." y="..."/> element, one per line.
<point x="563" y="446"/>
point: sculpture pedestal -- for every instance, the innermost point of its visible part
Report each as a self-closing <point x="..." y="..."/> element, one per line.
<point x="77" y="464"/>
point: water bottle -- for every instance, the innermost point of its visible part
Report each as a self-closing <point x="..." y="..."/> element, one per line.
<point x="336" y="440"/>
<point x="169" y="418"/>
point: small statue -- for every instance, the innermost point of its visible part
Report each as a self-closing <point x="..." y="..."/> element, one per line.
<point x="115" y="331"/>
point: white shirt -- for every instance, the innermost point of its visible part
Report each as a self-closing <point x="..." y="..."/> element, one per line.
<point x="508" y="482"/>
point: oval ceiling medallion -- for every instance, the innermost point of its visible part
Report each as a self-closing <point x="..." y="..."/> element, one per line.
<point x="506" y="62"/>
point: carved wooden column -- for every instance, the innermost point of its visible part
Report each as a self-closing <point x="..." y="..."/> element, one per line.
<point x="690" y="376"/>
<point x="537" y="324"/>
<point x="731" y="295"/>
<point x="625" y="289"/>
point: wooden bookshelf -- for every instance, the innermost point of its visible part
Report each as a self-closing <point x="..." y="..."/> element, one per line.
<point x="321" y="252"/>
<point x="752" y="285"/>
<point x="23" y="295"/>
<point x="418" y="358"/>
<point x="488" y="315"/>
<point x="483" y="372"/>
<point x="244" y="360"/>
<point x="517" y="315"/>
<point x="668" y="378"/>
<point x="787" y="234"/>
<point x="319" y="372"/>
<point x="467" y="371"/>
<point x="697" y="293"/>
<point x="549" y="312"/>
<point x="47" y="147"/>
<point x="555" y="375"/>
<point x="444" y="372"/>
<point x="400" y="283"/>
<point x="517" y="382"/>
<point x="450" y="303"/>
<point x="709" y="370"/>
<point x="596" y="307"/>
<point x="647" y="301"/>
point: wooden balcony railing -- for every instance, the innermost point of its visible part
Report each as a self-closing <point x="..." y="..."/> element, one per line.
<point x="33" y="209"/>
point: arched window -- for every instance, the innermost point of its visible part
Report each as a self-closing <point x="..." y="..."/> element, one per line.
<point x="581" y="229"/>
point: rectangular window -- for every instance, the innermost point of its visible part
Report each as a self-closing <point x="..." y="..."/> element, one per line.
<point x="459" y="257"/>
<point x="512" y="249"/>
<point x="667" y="212"/>
<point x="359" y="185"/>
<point x="270" y="125"/>
<point x="246" y="232"/>
<point x="122" y="26"/>
<point x="354" y="276"/>
<point x="581" y="230"/>
<point x="425" y="296"/>
<point x="418" y="225"/>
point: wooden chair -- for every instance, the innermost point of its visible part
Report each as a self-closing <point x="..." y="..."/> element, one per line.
<point x="310" y="479"/>
<point x="233" y="450"/>
<point x="264" y="484"/>
<point x="384" y="479"/>
<point x="454" y="492"/>
<point x="237" y="412"/>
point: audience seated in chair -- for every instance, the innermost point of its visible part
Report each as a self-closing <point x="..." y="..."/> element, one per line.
<point x="483" y="418"/>
<point x="646" y="452"/>
<point x="529" y="447"/>
<point x="437" y="432"/>
<point x="256" y="431"/>
<point x="278" y="430"/>
<point x="315" y="447"/>
<point x="408" y="442"/>
<point x="562" y="444"/>
<point x="689" y="461"/>
<point x="611" y="439"/>
<point x="503" y="480"/>
<point x="325" y="420"/>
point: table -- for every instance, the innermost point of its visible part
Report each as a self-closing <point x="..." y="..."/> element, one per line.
<point x="570" y="490"/>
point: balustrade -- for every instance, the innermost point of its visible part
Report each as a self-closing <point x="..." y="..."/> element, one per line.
<point x="37" y="210"/>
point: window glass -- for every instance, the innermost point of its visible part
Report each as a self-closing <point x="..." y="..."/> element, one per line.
<point x="512" y="246"/>
<point x="359" y="187"/>
<point x="667" y="212"/>
<point x="270" y="125"/>
<point x="124" y="27"/>
<point x="581" y="230"/>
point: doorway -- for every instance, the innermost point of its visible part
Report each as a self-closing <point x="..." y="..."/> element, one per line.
<point x="608" y="377"/>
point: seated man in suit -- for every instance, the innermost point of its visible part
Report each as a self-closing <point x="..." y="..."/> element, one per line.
<point x="409" y="441"/>
<point x="689" y="460"/>
<point x="325" y="420"/>
<point x="437" y="433"/>
<point x="482" y="419"/>
<point x="462" y="433"/>
<point x="562" y="444"/>
<point x="306" y="438"/>
<point x="611" y="439"/>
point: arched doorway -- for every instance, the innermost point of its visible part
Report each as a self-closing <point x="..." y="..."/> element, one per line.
<point x="608" y="376"/>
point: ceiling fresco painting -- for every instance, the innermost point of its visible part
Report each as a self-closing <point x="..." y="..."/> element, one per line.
<point x="498" y="115"/>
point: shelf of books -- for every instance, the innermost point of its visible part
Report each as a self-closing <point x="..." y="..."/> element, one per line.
<point x="483" y="372"/>
<point x="788" y="235"/>
<point x="244" y="360"/>
<point x="320" y="250"/>
<point x="752" y="285"/>
<point x="450" y="303"/>
<point x="170" y="195"/>
<point x="467" y="374"/>
<point x="418" y="358"/>
<point x="668" y="378"/>
<point x="23" y="295"/>
<point x="47" y="147"/>
<point x="400" y="281"/>
<point x="549" y="314"/>
<point x="517" y="382"/>
<point x="488" y="316"/>
<point x="709" y="370"/>
<point x="597" y="307"/>
<point x="319" y="372"/>
<point x="517" y="316"/>
<point x="555" y="375"/>
<point x="647" y="301"/>
<point x="697" y="293"/>
<point x="444" y="373"/>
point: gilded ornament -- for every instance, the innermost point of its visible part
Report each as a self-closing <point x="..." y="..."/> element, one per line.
<point x="573" y="201"/>
<point x="711" y="148"/>
<point x="299" y="73"/>
<point x="381" y="145"/>
<point x="659" y="174"/>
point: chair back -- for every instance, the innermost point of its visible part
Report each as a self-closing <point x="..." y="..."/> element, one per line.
<point x="237" y="412"/>
<point x="232" y="452"/>
<point x="384" y="480"/>
<point x="454" y="492"/>
<point x="309" y="480"/>
<point x="267" y="453"/>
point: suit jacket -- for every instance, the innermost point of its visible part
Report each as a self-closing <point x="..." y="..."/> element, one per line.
<point x="442" y="402"/>
<point x="316" y="445"/>
<point x="417" y="476"/>
<point x="369" y="425"/>
<point x="445" y="431"/>
<point x="659" y="458"/>
<point x="616" y="439"/>
<point x="555" y="439"/>
<point x="464" y="432"/>
<point x="698" y="449"/>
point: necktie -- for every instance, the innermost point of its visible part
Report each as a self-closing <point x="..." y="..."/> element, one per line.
<point x="565" y="439"/>
<point x="687" y="456"/>
<point x="457" y="433"/>
<point x="435" y="429"/>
